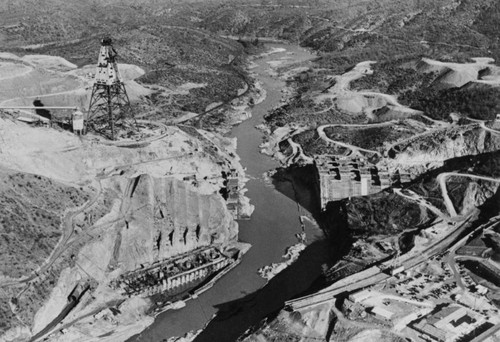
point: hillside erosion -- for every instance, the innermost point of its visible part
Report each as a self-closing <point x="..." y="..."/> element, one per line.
<point x="136" y="206"/>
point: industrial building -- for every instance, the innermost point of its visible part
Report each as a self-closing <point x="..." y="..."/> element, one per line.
<point x="448" y="323"/>
<point x="360" y="296"/>
<point x="382" y="313"/>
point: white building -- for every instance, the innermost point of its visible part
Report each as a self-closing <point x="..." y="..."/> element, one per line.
<point x="380" y="312"/>
<point x="360" y="296"/>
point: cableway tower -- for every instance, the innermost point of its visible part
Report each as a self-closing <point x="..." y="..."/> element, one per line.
<point x="109" y="109"/>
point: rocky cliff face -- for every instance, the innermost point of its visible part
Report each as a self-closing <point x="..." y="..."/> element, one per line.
<point x="430" y="152"/>
<point x="476" y="195"/>
<point x="168" y="218"/>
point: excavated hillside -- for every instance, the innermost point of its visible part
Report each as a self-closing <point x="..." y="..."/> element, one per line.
<point x="86" y="212"/>
<point x="169" y="219"/>
<point x="432" y="150"/>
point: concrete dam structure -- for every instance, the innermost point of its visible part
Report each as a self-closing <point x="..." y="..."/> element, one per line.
<point x="340" y="177"/>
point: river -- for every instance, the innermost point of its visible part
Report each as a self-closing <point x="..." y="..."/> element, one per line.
<point x="240" y="298"/>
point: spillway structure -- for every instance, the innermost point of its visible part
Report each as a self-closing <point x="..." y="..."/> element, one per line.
<point x="173" y="273"/>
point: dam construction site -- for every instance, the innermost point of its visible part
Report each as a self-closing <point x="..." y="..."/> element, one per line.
<point x="144" y="213"/>
<point x="249" y="171"/>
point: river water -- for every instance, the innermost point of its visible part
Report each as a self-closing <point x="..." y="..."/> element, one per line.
<point x="240" y="298"/>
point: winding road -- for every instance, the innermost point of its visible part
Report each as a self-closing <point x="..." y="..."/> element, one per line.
<point x="441" y="178"/>
<point x="412" y="196"/>
<point x="341" y="87"/>
<point x="482" y="124"/>
<point x="297" y="153"/>
<point x="354" y="149"/>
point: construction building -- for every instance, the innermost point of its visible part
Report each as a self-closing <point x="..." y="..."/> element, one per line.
<point x="360" y="296"/>
<point x="381" y="313"/>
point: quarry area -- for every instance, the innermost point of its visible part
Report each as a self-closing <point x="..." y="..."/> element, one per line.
<point x="250" y="171"/>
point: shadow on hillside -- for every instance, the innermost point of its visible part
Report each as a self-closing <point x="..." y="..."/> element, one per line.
<point x="299" y="184"/>
<point x="235" y="317"/>
<point x="303" y="277"/>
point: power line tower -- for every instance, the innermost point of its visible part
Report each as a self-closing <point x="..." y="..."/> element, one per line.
<point x="109" y="108"/>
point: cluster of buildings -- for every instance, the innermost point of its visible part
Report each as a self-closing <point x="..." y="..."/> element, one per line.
<point x="173" y="273"/>
<point x="449" y="323"/>
<point x="340" y="177"/>
<point x="426" y="304"/>
<point x="446" y="322"/>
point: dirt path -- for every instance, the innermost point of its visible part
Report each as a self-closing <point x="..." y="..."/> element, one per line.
<point x="297" y="153"/>
<point x="354" y="149"/>
<point x="342" y="86"/>
<point x="410" y="139"/>
<point x="442" y="183"/>
<point x="412" y="196"/>
<point x="341" y="89"/>
<point x="29" y="69"/>
<point x="482" y="124"/>
<point x="441" y="178"/>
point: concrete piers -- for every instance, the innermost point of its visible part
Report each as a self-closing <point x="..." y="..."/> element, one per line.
<point x="344" y="177"/>
<point x="173" y="273"/>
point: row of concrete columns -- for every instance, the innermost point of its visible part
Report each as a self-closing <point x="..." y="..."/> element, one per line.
<point x="168" y="283"/>
<point x="191" y="276"/>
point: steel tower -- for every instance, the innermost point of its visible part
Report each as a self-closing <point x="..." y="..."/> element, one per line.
<point x="109" y="108"/>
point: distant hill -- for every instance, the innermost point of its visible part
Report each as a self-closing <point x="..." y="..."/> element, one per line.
<point x="379" y="28"/>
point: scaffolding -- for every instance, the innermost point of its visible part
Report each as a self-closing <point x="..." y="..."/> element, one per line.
<point x="109" y="109"/>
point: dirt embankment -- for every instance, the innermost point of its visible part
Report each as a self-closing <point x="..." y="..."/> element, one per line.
<point x="160" y="200"/>
<point x="55" y="81"/>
